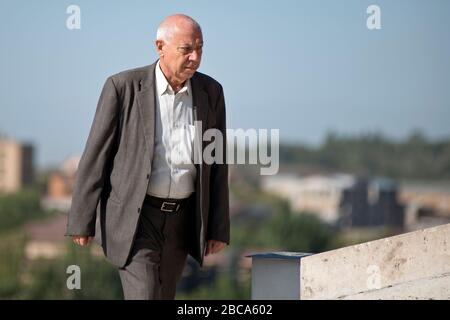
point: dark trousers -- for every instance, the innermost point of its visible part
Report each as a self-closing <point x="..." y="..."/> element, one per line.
<point x="158" y="255"/>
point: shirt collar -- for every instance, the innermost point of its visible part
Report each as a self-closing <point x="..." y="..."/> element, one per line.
<point x="163" y="86"/>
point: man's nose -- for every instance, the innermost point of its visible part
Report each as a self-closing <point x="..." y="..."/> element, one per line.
<point x="195" y="56"/>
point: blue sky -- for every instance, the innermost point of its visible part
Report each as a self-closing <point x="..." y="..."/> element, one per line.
<point x="305" y="67"/>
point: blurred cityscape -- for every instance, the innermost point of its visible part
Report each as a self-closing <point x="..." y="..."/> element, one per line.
<point x="346" y="191"/>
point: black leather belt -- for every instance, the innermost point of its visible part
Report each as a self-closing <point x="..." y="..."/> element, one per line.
<point x="166" y="205"/>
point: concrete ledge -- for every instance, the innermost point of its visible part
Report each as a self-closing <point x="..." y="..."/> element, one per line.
<point x="436" y="288"/>
<point x="414" y="265"/>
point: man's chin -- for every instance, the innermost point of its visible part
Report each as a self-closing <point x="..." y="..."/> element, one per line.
<point x="189" y="72"/>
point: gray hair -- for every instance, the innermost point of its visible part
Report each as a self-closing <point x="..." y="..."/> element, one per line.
<point x="170" y="25"/>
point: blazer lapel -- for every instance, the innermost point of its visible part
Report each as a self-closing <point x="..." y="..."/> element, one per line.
<point x="200" y="102"/>
<point x="146" y="102"/>
<point x="200" y="110"/>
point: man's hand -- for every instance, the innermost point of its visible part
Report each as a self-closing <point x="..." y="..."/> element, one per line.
<point x="214" y="246"/>
<point x="81" y="240"/>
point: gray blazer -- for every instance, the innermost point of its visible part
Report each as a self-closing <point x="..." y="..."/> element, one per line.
<point x="114" y="170"/>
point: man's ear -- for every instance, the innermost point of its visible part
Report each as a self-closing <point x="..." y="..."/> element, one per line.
<point x="159" y="47"/>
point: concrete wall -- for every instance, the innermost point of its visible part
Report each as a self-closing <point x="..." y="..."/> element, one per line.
<point x="414" y="265"/>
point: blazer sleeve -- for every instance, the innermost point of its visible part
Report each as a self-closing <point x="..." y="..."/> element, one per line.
<point x="219" y="214"/>
<point x="90" y="176"/>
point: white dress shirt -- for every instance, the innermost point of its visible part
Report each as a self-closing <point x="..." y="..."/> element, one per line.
<point x="173" y="171"/>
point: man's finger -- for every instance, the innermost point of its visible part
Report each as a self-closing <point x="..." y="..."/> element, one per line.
<point x="85" y="241"/>
<point x="218" y="246"/>
<point x="81" y="241"/>
<point x="208" y="248"/>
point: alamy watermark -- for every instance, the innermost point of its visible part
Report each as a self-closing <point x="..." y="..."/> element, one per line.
<point x="374" y="279"/>
<point x="74" y="280"/>
<point x="73" y="22"/>
<point x="263" y="147"/>
<point x="374" y="20"/>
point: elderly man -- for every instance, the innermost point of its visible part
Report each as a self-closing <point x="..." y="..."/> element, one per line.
<point x="138" y="189"/>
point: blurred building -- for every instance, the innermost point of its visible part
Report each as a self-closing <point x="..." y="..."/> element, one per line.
<point x="45" y="239"/>
<point x="60" y="185"/>
<point x="371" y="203"/>
<point x="341" y="199"/>
<point x="316" y="194"/>
<point x="16" y="165"/>
<point x="428" y="204"/>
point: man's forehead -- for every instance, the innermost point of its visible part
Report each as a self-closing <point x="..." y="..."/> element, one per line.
<point x="188" y="39"/>
<point x="186" y="31"/>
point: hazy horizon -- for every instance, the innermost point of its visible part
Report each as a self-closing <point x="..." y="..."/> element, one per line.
<point x="304" y="67"/>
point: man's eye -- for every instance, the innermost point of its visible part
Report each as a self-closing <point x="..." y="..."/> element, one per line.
<point x="186" y="50"/>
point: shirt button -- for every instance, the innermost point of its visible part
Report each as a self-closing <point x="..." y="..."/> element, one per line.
<point x="148" y="176"/>
<point x="139" y="210"/>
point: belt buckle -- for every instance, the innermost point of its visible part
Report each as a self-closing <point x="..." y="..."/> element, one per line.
<point x="169" y="203"/>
